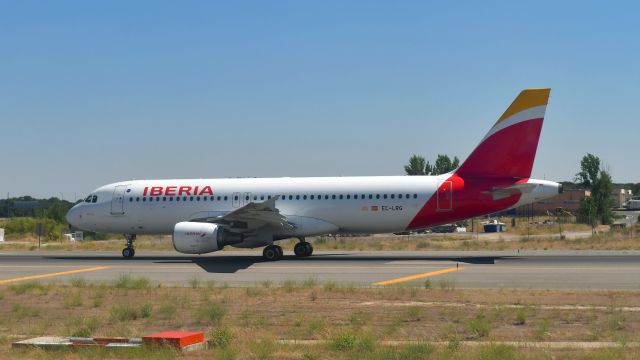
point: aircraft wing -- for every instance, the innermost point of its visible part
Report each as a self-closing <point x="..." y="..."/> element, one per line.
<point x="504" y="192"/>
<point x="253" y="216"/>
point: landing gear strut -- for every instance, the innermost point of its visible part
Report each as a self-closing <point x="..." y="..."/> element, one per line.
<point x="128" y="252"/>
<point x="303" y="248"/>
<point x="272" y="253"/>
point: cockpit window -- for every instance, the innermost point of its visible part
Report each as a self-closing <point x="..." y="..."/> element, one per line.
<point x="88" y="199"/>
<point x="94" y="199"/>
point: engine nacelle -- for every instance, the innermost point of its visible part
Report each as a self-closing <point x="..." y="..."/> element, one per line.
<point x="200" y="238"/>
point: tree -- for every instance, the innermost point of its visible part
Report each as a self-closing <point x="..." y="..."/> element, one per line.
<point x="589" y="170"/>
<point x="599" y="182"/>
<point x="416" y="165"/>
<point x="444" y="165"/>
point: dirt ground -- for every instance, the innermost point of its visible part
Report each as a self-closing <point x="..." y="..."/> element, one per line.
<point x="345" y="320"/>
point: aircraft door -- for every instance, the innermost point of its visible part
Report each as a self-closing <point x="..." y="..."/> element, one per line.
<point x="117" y="202"/>
<point x="445" y="196"/>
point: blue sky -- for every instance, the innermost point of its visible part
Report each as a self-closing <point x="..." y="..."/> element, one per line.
<point x="95" y="92"/>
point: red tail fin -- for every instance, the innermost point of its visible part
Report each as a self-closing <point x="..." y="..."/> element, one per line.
<point x="509" y="149"/>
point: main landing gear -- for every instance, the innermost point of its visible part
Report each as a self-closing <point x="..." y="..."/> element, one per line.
<point x="272" y="253"/>
<point x="128" y="252"/>
<point x="303" y="248"/>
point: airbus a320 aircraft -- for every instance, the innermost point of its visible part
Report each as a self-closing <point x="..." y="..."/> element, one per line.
<point x="205" y="215"/>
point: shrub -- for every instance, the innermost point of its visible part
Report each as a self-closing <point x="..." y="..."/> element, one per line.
<point x="126" y="281"/>
<point x="21" y="311"/>
<point x="83" y="326"/>
<point x="131" y="312"/>
<point x="220" y="338"/>
<point x="521" y="316"/>
<point x="211" y="312"/>
<point x="479" y="326"/>
<point x="22" y="288"/>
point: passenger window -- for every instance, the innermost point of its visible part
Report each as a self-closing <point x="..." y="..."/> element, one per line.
<point x="399" y="196"/>
<point x="340" y="196"/>
<point x="219" y="198"/>
<point x="297" y="197"/>
<point x="204" y="198"/>
<point x="370" y="196"/>
<point x="415" y="196"/>
<point x="261" y="197"/>
<point x="407" y="196"/>
<point x="198" y="198"/>
<point x="304" y="197"/>
<point x="150" y="198"/>
<point x="130" y="199"/>
<point x="393" y="196"/>
<point x="348" y="197"/>
<point x="213" y="198"/>
<point x="384" y="196"/>
<point x="355" y="197"/>
<point x="144" y="199"/>
<point x="362" y="196"/>
<point x="311" y="197"/>
<point x="269" y="197"/>
<point x="184" y="198"/>
<point x="377" y="196"/>
<point x="326" y="197"/>
<point x="178" y="198"/>
<point x="333" y="197"/>
<point x="290" y="197"/>
<point x="164" y="198"/>
<point x="190" y="198"/>
<point x="137" y="199"/>
<point x="226" y="198"/>
<point x="170" y="199"/>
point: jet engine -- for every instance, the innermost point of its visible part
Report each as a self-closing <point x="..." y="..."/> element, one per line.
<point x="200" y="238"/>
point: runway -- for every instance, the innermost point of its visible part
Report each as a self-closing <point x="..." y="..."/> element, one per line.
<point x="577" y="270"/>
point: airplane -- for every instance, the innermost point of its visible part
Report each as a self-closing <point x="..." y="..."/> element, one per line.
<point x="206" y="215"/>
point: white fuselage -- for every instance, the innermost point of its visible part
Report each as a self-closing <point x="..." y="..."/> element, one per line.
<point x="315" y="205"/>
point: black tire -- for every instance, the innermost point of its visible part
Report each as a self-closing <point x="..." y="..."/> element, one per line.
<point x="309" y="249"/>
<point x="300" y="249"/>
<point x="128" y="253"/>
<point x="280" y="251"/>
<point x="270" y="253"/>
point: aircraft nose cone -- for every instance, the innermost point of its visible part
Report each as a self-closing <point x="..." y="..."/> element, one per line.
<point x="72" y="217"/>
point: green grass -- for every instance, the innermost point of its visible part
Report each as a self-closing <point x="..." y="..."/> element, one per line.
<point x="29" y="286"/>
<point x="211" y="312"/>
<point x="82" y="326"/>
<point x="220" y="337"/>
<point x="126" y="281"/>
<point x="20" y="311"/>
<point x="479" y="326"/>
<point x="129" y="312"/>
<point x="73" y="300"/>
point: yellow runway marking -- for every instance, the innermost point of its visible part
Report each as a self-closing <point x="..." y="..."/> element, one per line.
<point x="33" y="277"/>
<point x="418" y="276"/>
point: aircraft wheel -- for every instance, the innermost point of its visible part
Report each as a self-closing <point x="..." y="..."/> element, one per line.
<point x="309" y="248"/>
<point x="303" y="249"/>
<point x="300" y="250"/>
<point x="271" y="253"/>
<point x="128" y="253"/>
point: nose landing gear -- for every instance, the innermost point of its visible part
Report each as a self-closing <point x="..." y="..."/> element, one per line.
<point x="129" y="252"/>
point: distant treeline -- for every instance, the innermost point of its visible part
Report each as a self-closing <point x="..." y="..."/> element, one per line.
<point x="27" y="206"/>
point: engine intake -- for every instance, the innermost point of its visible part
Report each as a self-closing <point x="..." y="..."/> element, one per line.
<point x="200" y="238"/>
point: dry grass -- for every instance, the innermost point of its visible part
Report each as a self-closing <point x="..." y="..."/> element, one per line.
<point x="353" y="321"/>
